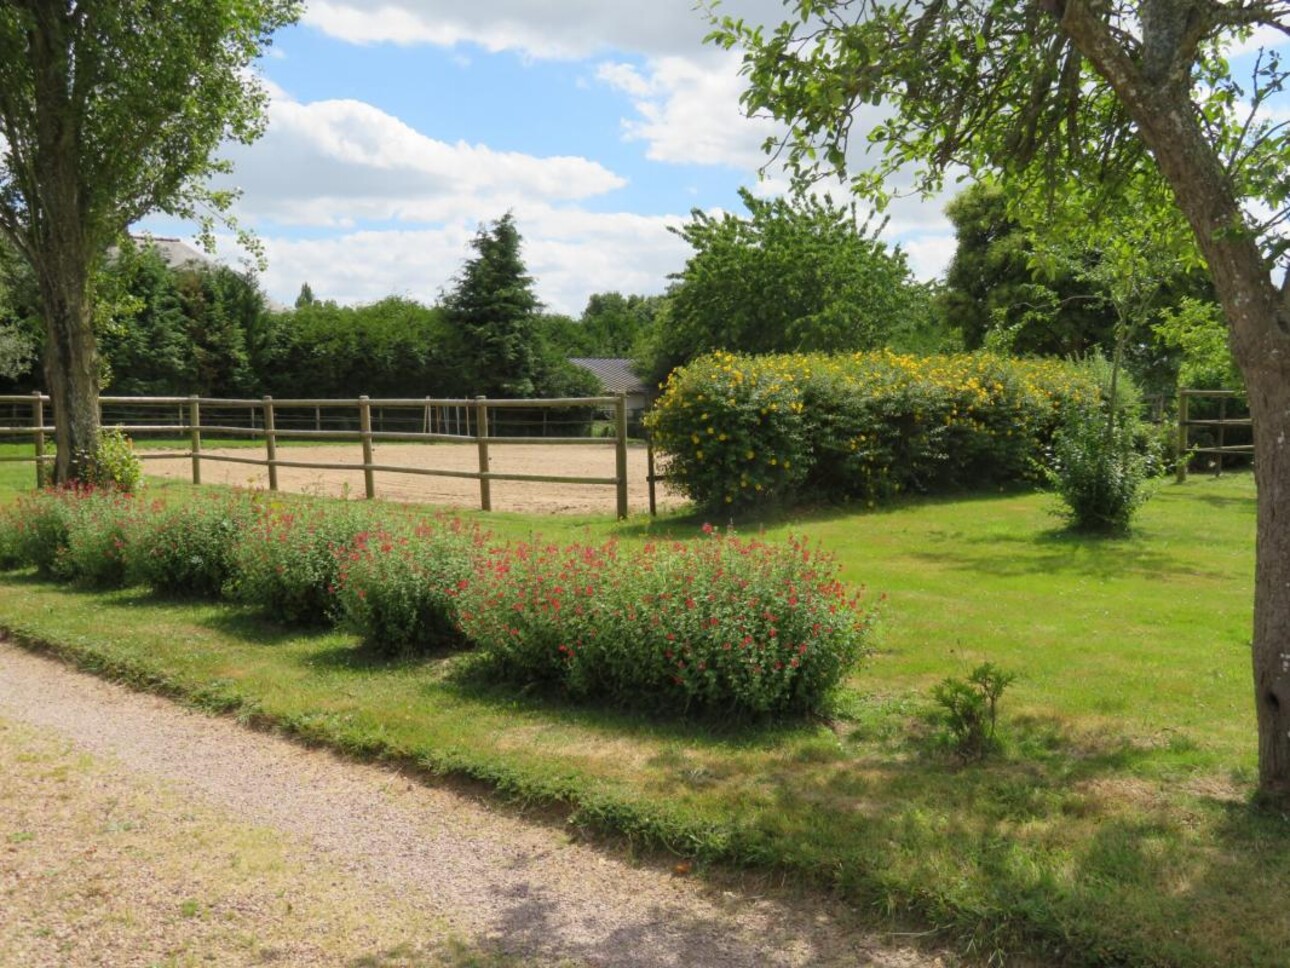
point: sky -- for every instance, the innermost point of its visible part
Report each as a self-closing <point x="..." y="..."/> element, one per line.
<point x="397" y="128"/>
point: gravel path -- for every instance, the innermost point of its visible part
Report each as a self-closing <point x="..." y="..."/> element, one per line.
<point x="517" y="887"/>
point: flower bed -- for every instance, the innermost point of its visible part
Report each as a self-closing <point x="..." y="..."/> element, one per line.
<point x="720" y="624"/>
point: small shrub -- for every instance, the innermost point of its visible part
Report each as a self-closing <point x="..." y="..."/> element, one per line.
<point x="289" y="559"/>
<point x="1099" y="473"/>
<point x="187" y="549"/>
<point x="399" y="590"/>
<point x="969" y="709"/>
<point x="722" y="624"/>
<point x="115" y="465"/>
<point x="11" y="526"/>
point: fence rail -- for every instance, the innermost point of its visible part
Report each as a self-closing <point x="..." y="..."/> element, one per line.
<point x="1219" y="426"/>
<point x="438" y="420"/>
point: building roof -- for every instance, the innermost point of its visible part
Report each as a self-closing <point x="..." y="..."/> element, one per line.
<point x="615" y="374"/>
<point x="175" y="252"/>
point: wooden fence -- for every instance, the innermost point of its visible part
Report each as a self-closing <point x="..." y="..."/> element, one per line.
<point x="455" y="421"/>
<point x="1217" y="426"/>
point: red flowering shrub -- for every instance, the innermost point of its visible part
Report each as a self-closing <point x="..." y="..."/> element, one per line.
<point x="187" y="549"/>
<point x="398" y="589"/>
<point x="36" y="530"/>
<point x="100" y="527"/>
<point x="72" y="534"/>
<point x="288" y="560"/>
<point x="723" y="624"/>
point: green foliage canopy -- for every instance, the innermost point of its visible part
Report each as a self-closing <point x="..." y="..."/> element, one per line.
<point x="794" y="275"/>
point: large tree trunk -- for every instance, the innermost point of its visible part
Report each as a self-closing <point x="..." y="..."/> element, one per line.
<point x="1259" y="328"/>
<point x="1269" y="391"/>
<point x="71" y="373"/>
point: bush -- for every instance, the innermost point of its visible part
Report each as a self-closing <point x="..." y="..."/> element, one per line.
<point x="399" y="590"/>
<point x="289" y="559"/>
<point x="115" y="465"/>
<point x="724" y="624"/>
<point x="100" y="527"/>
<point x="1099" y="473"/>
<point x="188" y="549"/>
<point x="739" y="430"/>
<point x="38" y="526"/>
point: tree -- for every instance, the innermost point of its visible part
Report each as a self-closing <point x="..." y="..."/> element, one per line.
<point x="306" y="297"/>
<point x="795" y="275"/>
<point x="492" y="312"/>
<point x="17" y="345"/>
<point x="615" y="323"/>
<point x="992" y="291"/>
<point x="109" y="111"/>
<point x="391" y="348"/>
<point x="1059" y="92"/>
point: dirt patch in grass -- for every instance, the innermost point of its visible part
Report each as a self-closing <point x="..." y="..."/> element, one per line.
<point x="528" y="496"/>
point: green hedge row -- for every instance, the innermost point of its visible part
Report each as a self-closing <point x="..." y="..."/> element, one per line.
<point x="737" y="431"/>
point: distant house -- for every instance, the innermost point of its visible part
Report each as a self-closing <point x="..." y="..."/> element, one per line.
<point x="616" y="376"/>
<point x="176" y="253"/>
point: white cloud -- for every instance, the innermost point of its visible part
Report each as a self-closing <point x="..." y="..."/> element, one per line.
<point x="930" y="255"/>
<point x="342" y="162"/>
<point x="1260" y="37"/>
<point x="566" y="29"/>
<point x="570" y="254"/>
<point x="688" y="111"/>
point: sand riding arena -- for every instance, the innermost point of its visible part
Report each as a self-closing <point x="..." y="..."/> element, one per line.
<point x="524" y="496"/>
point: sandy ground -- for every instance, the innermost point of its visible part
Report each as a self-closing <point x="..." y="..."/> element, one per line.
<point x="530" y="497"/>
<point x="133" y="832"/>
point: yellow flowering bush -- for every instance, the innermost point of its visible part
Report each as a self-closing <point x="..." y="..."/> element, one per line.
<point x="738" y="430"/>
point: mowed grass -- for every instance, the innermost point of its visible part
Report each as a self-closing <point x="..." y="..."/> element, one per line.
<point x="1114" y="828"/>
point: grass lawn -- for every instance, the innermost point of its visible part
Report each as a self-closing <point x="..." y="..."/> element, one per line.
<point x="1115" y="827"/>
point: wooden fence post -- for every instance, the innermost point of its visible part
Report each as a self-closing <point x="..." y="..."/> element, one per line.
<point x="481" y="435"/>
<point x="38" y="437"/>
<point x="1180" y="471"/>
<point x="1222" y="426"/>
<point x="271" y="442"/>
<point x="649" y="474"/>
<point x="195" y="436"/>
<point x="620" y="425"/>
<point x="365" y="430"/>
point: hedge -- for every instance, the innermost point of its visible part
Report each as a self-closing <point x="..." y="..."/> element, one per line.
<point x="737" y="431"/>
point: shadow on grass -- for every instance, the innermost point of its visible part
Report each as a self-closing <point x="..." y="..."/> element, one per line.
<point x="471" y="679"/>
<point x="683" y="524"/>
<point x="1226" y="502"/>
<point x="251" y="626"/>
<point x="1055" y="552"/>
<point x="1061" y="846"/>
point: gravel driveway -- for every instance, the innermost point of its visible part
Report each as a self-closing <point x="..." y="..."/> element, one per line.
<point x="133" y="831"/>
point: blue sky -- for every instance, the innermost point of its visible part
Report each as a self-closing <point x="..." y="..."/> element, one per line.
<point x="397" y="127"/>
